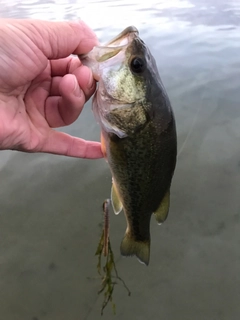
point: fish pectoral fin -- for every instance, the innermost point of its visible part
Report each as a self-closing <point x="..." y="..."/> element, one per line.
<point x="140" y="249"/>
<point x="162" y="211"/>
<point x="103" y="146"/>
<point x="116" y="202"/>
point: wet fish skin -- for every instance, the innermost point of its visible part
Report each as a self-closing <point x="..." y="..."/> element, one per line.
<point x="142" y="160"/>
<point x="142" y="166"/>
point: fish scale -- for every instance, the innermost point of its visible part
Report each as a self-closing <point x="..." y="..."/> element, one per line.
<point x="138" y="135"/>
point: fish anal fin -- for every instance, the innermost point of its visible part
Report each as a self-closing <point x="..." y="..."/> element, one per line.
<point x="162" y="211"/>
<point x="116" y="202"/>
<point x="140" y="249"/>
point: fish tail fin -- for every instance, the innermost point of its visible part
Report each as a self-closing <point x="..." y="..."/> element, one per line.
<point x="132" y="247"/>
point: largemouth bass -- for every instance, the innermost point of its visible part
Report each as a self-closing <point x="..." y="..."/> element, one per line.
<point x="138" y="135"/>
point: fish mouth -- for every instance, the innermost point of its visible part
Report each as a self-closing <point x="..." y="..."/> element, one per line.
<point x="123" y="37"/>
<point x="117" y="44"/>
<point x="100" y="54"/>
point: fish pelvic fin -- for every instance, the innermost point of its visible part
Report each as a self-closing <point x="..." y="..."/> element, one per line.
<point x="116" y="202"/>
<point x="140" y="249"/>
<point x="162" y="211"/>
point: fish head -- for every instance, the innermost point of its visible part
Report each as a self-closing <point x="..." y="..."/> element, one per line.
<point x="125" y="71"/>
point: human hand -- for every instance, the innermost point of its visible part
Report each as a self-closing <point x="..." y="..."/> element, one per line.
<point x="42" y="87"/>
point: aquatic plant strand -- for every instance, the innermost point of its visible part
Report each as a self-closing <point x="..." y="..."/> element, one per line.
<point x="109" y="270"/>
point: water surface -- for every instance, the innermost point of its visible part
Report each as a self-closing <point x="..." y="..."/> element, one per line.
<point x="50" y="206"/>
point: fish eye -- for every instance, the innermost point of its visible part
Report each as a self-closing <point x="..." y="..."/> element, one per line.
<point x="137" y="65"/>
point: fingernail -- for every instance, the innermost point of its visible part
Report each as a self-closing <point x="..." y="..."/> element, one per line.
<point x="90" y="84"/>
<point x="77" y="91"/>
<point x="91" y="81"/>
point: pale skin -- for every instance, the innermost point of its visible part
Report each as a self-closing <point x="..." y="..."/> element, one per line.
<point x="42" y="86"/>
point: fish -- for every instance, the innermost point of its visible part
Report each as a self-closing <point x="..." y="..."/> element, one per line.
<point x="138" y="135"/>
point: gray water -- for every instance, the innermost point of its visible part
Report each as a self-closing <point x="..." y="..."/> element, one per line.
<point x="50" y="206"/>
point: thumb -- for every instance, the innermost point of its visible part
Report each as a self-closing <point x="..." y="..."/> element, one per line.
<point x="58" y="39"/>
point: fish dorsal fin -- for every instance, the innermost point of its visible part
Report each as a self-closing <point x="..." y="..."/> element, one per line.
<point x="162" y="211"/>
<point x="116" y="202"/>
